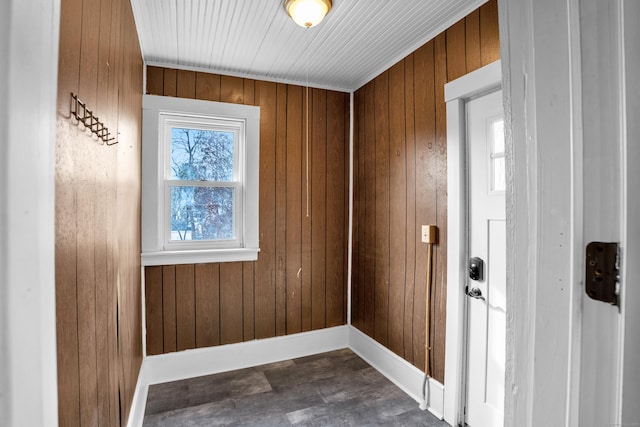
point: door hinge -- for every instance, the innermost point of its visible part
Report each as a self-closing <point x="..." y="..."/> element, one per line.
<point x="602" y="278"/>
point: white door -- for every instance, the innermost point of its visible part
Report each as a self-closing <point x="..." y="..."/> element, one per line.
<point x="486" y="283"/>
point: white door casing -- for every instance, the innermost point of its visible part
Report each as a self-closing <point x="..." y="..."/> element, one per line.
<point x="486" y="314"/>
<point x="571" y="103"/>
<point x="484" y="80"/>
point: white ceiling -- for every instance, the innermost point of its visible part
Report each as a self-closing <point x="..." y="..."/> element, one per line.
<point x="357" y="40"/>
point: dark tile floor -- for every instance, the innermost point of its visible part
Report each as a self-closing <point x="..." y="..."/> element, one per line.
<point x="330" y="389"/>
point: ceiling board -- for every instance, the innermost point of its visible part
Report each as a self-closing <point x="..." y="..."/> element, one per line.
<point x="256" y="38"/>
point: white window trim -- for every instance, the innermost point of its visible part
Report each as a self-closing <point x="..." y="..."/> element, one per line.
<point x="154" y="248"/>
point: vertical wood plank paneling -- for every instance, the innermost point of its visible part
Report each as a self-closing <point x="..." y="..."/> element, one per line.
<point x="265" y="298"/>
<point x="153" y="311"/>
<point x="355" y="260"/>
<point x="489" y="32"/>
<point x="382" y="208"/>
<point x="96" y="367"/>
<point x="455" y="48"/>
<point x="232" y="89"/>
<point x="282" y="292"/>
<point x="306" y="198"/>
<point x="472" y="41"/>
<point x="155" y="81"/>
<point x="185" y="307"/>
<point x="370" y="208"/>
<point x="421" y="167"/>
<point x="411" y="228"/>
<point x="248" y="304"/>
<point x="397" y="207"/>
<point x="86" y="237"/>
<point x="207" y="301"/>
<point x="336" y="183"/>
<point x="231" y="320"/>
<point x="170" y="83"/>
<point x="318" y="209"/>
<point x="295" y="205"/>
<point x="115" y="79"/>
<point x="208" y="86"/>
<point x="439" y="293"/>
<point x="248" y="96"/>
<point x="425" y="206"/>
<point x="281" y="209"/>
<point x="169" y="307"/>
<point x="101" y="200"/>
<point x="362" y="218"/>
<point x="66" y="220"/>
<point x="186" y="84"/>
<point x="66" y="299"/>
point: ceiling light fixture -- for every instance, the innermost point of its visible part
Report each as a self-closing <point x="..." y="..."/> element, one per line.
<point x="307" y="13"/>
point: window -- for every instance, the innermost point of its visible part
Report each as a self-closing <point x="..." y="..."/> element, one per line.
<point x="200" y="181"/>
<point x="497" y="156"/>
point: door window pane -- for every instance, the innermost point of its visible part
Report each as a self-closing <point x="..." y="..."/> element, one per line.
<point x="497" y="160"/>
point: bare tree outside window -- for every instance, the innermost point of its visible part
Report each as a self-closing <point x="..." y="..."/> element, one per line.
<point x="202" y="205"/>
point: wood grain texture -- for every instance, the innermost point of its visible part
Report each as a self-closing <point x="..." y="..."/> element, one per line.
<point x="295" y="207"/>
<point x="155" y="80"/>
<point x="98" y="290"/>
<point x="153" y="312"/>
<point x="318" y="209"/>
<point x="265" y="290"/>
<point x="397" y="207"/>
<point x="439" y="273"/>
<point x="400" y="184"/>
<point x="489" y="33"/>
<point x="410" y="240"/>
<point x="186" y="84"/>
<point x="185" y="307"/>
<point x="231" y="319"/>
<point x="169" y="307"/>
<point x="281" y="210"/>
<point x="336" y="213"/>
<point x="207" y="301"/>
<point x="381" y="322"/>
<point x="299" y="280"/>
<point x="306" y="214"/>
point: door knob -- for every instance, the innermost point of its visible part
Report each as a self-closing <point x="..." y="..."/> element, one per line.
<point x="476" y="269"/>
<point x="475" y="293"/>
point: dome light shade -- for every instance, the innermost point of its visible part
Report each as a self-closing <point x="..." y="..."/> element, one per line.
<point x="307" y="13"/>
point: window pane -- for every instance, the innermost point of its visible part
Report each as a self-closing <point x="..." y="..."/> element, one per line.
<point x="498" y="136"/>
<point x="202" y="155"/>
<point x="499" y="182"/>
<point x="202" y="213"/>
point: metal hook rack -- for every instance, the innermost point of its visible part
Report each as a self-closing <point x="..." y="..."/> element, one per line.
<point x="85" y="116"/>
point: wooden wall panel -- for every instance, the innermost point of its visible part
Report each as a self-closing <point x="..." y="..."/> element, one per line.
<point x="98" y="292"/>
<point x="400" y="183"/>
<point x="265" y="275"/>
<point x="207" y="301"/>
<point x="299" y="281"/>
<point x="397" y="207"/>
<point x="185" y="307"/>
<point x="318" y="208"/>
<point x="336" y="230"/>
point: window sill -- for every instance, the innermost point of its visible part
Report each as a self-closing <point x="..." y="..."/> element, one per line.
<point x="199" y="256"/>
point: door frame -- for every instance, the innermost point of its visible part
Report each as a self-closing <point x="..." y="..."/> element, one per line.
<point x="457" y="92"/>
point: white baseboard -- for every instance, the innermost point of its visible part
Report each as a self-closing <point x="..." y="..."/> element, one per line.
<point x="136" y="413"/>
<point x="402" y="373"/>
<point x="212" y="360"/>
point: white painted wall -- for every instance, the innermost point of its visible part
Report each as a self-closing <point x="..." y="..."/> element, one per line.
<point x="28" y="79"/>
